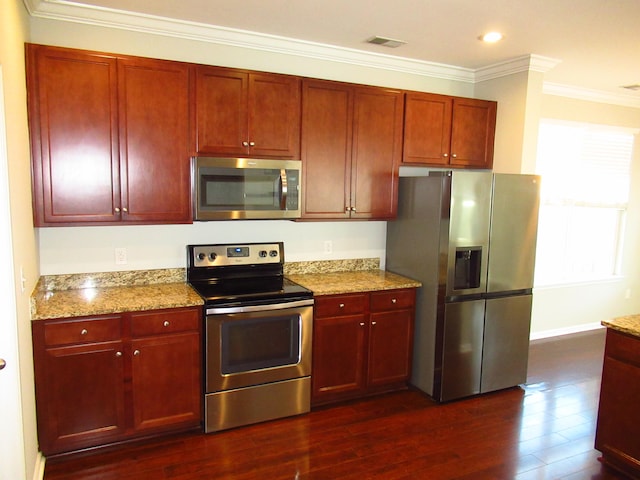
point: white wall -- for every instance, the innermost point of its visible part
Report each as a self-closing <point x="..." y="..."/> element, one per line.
<point x="14" y="31"/>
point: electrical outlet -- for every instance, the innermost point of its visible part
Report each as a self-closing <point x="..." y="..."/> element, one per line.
<point x="121" y="256"/>
<point x="328" y="246"/>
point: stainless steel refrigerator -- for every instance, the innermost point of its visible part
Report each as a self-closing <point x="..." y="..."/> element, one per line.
<point x="470" y="238"/>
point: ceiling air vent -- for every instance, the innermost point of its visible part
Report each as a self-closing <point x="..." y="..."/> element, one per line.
<point x="386" y="42"/>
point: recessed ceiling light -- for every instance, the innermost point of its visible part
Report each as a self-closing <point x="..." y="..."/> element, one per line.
<point x="386" y="42"/>
<point x="491" y="37"/>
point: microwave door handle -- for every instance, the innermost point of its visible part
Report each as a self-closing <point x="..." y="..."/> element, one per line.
<point x="283" y="189"/>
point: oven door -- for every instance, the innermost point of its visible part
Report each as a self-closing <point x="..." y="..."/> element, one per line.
<point x="253" y="345"/>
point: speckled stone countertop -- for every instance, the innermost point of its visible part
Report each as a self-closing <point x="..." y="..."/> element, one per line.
<point x="77" y="295"/>
<point x="62" y="296"/>
<point x="629" y="324"/>
<point x="346" y="276"/>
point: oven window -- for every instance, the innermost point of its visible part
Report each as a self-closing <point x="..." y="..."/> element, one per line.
<point x="260" y="343"/>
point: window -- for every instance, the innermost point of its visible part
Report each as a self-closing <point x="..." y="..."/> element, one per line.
<point x="585" y="173"/>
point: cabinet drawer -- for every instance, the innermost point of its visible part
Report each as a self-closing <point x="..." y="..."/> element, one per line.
<point x="164" y="321"/>
<point x="86" y="330"/>
<point x="622" y="347"/>
<point x="392" y="299"/>
<point x="332" y="306"/>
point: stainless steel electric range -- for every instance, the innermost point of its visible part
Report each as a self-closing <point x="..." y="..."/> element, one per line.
<point x="258" y="328"/>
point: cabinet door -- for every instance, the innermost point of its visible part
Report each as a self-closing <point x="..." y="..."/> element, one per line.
<point x="80" y="396"/>
<point x="427" y="128"/>
<point x="73" y="121"/>
<point x="376" y="152"/>
<point x="155" y="168"/>
<point x="473" y="132"/>
<point x="221" y="96"/>
<point x="326" y="149"/>
<point x="166" y="381"/>
<point x="274" y="116"/>
<point x="390" y="342"/>
<point x="338" y="357"/>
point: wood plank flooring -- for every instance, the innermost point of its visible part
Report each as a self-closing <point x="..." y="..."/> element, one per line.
<point x="544" y="430"/>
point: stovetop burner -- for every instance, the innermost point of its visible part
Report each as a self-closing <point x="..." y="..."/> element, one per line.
<point x="231" y="274"/>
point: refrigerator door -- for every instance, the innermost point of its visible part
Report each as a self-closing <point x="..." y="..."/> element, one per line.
<point x="468" y="242"/>
<point x="506" y="342"/>
<point x="461" y="349"/>
<point x="514" y="228"/>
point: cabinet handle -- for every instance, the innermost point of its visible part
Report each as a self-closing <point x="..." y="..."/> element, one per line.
<point x="117" y="209"/>
<point x="84" y="331"/>
<point x="341" y="305"/>
<point x="393" y="300"/>
<point x="118" y="354"/>
<point x="166" y="323"/>
<point x="136" y="352"/>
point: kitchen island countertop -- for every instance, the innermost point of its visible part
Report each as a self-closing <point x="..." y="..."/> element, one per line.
<point x="629" y="324"/>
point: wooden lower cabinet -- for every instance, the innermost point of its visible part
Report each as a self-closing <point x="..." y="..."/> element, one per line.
<point x="361" y="344"/>
<point x="111" y="378"/>
<point x="618" y="414"/>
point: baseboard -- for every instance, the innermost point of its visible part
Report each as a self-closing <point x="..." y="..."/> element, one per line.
<point x="585" y="327"/>
<point x="38" y="472"/>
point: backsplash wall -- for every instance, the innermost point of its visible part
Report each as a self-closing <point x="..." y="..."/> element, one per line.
<point x="64" y="250"/>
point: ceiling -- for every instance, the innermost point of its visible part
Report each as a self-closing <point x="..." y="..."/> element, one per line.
<point x="597" y="42"/>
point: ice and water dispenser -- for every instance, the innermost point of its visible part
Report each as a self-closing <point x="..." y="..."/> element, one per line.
<point x="467" y="268"/>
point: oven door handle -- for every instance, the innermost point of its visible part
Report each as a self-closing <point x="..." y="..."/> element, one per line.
<point x="259" y="308"/>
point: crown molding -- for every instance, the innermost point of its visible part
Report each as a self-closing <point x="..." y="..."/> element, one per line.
<point x="524" y="63"/>
<point x="98" y="16"/>
<point x="589" y="95"/>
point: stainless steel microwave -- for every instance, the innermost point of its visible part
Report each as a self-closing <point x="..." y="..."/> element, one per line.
<point x="245" y="188"/>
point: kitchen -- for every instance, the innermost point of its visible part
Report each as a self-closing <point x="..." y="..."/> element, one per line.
<point x="89" y="249"/>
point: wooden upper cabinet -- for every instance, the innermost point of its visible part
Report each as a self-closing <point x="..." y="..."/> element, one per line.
<point x="351" y="149"/>
<point x="109" y="138"/>
<point x="239" y="113"/>
<point x="73" y="114"/>
<point x="448" y="131"/>
<point x="154" y="136"/>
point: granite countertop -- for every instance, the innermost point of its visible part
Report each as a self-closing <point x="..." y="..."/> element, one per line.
<point x="346" y="276"/>
<point x="77" y="295"/>
<point x="63" y="296"/>
<point x="629" y="324"/>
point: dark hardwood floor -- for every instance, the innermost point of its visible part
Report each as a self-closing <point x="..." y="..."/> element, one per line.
<point x="544" y="430"/>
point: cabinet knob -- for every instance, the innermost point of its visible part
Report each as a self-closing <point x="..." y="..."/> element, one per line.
<point x="117" y="209"/>
<point x="393" y="300"/>
<point x="3" y="363"/>
<point x="373" y="323"/>
<point x="166" y="323"/>
<point x="118" y="354"/>
<point x="445" y="155"/>
<point x="136" y="352"/>
<point x="453" y="155"/>
<point x="84" y="331"/>
<point x="252" y="144"/>
<point x="361" y="324"/>
<point x="125" y="209"/>
<point x="245" y="144"/>
<point x="341" y="305"/>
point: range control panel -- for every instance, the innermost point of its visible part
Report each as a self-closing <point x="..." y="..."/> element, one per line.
<point x="221" y="255"/>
